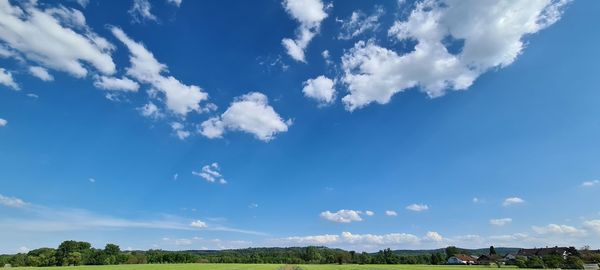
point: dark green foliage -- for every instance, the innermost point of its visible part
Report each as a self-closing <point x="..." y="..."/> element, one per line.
<point x="553" y="261"/>
<point x="492" y="250"/>
<point x="82" y="253"/>
<point x="535" y="262"/>
<point x="573" y="262"/>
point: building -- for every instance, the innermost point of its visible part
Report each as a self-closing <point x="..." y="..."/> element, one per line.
<point x="489" y="259"/>
<point x="541" y="252"/>
<point x="461" y="259"/>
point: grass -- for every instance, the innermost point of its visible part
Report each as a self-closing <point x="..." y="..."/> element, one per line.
<point x="260" y="267"/>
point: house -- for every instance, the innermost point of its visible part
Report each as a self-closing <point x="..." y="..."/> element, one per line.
<point x="489" y="259"/>
<point x="461" y="259"/>
<point x="541" y="252"/>
<point x="510" y="259"/>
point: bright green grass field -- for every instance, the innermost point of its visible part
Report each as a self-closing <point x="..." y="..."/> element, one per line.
<point x="259" y="267"/>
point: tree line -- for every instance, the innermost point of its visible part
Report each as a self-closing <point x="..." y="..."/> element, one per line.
<point x="82" y="253"/>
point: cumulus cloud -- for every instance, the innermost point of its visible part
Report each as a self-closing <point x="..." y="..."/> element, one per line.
<point x="249" y="113"/>
<point x="417" y="207"/>
<point x="342" y="216"/>
<point x="179" y="130"/>
<point x="56" y="38"/>
<point x="180" y="98"/>
<point x="433" y="236"/>
<point x="320" y="88"/>
<point x="140" y="11"/>
<point x="12" y="201"/>
<point x="3" y="122"/>
<point x="557" y="229"/>
<point x="150" y="110"/>
<point x="198" y="224"/>
<point x="500" y="221"/>
<point x="116" y="84"/>
<point x="591" y="183"/>
<point x="391" y="213"/>
<point x="41" y="73"/>
<point x="369" y="213"/>
<point x="211" y="173"/>
<point x="491" y="36"/>
<point x="355" y="239"/>
<point x="512" y="201"/>
<point x="6" y="79"/>
<point x="314" y="239"/>
<point x="359" y="23"/>
<point x="309" y="13"/>
<point x="593" y="225"/>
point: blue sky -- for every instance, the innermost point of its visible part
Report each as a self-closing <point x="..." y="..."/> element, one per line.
<point x="361" y="125"/>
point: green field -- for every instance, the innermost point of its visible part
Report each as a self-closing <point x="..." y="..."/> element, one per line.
<point x="259" y="267"/>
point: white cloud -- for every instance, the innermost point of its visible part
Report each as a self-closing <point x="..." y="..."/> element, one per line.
<point x="326" y="57"/>
<point x="321" y="89"/>
<point x="180" y="131"/>
<point x="23" y="249"/>
<point x="56" y="38"/>
<point x="198" y="224"/>
<point x="359" y="23"/>
<point x="417" y="207"/>
<point x="175" y="2"/>
<point x="41" y="73"/>
<point x="309" y="13"/>
<point x="591" y="183"/>
<point x="391" y="213"/>
<point x="500" y="221"/>
<point x="6" y="79"/>
<point x="369" y="213"/>
<point x="433" y="236"/>
<point x="83" y="3"/>
<point x="512" y="201"/>
<point x="3" y="122"/>
<point x="385" y="239"/>
<point x="492" y="35"/>
<point x="181" y="98"/>
<point x="12" y="202"/>
<point x="150" y="110"/>
<point x="211" y="173"/>
<point x="140" y="11"/>
<point x="313" y="239"/>
<point x="117" y="84"/>
<point x="249" y="113"/>
<point x="593" y="225"/>
<point x="342" y="216"/>
<point x="557" y="229"/>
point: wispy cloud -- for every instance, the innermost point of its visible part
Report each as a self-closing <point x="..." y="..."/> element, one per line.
<point x="512" y="201"/>
<point x="500" y="221"/>
<point x="12" y="201"/>
<point x="591" y="183"/>
<point x="211" y="173"/>
<point x="417" y="207"/>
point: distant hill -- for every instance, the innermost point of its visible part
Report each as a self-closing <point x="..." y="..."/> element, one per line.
<point x="479" y="251"/>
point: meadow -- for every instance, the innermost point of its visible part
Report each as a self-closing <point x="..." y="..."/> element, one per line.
<point x="260" y="267"/>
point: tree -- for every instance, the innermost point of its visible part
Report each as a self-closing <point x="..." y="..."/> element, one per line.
<point x="451" y="251"/>
<point x="112" y="249"/>
<point x="492" y="250"/>
<point x="535" y="262"/>
<point x="573" y="262"/>
<point x="68" y="247"/>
